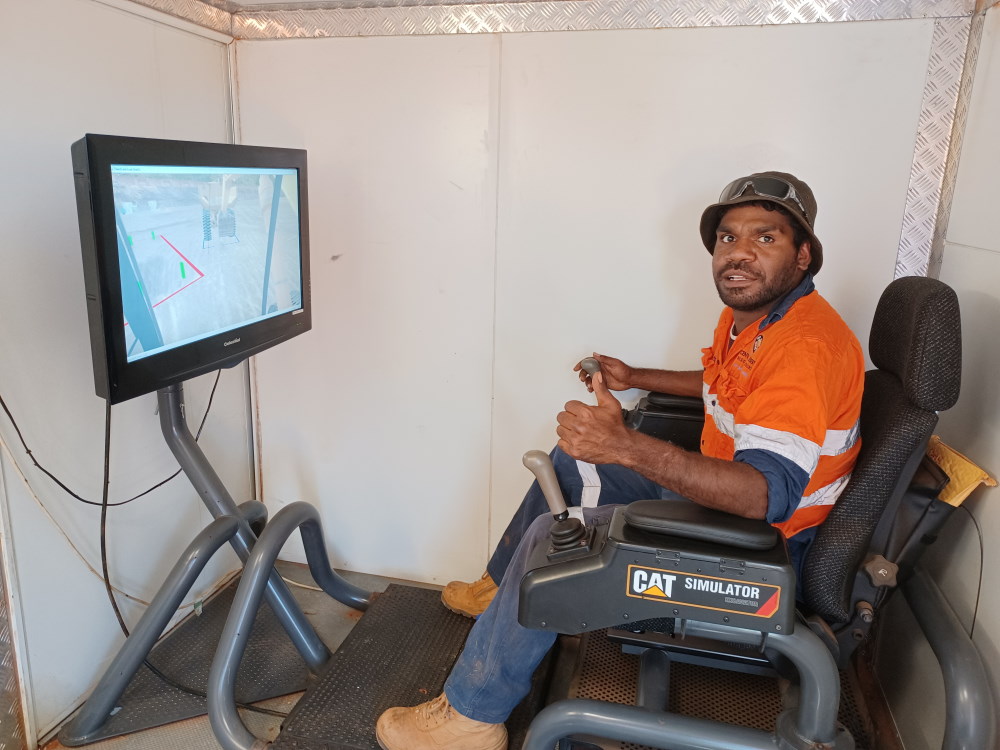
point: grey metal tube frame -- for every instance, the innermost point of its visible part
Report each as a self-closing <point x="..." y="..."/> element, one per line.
<point x="814" y="720"/>
<point x="227" y="726"/>
<point x="819" y="679"/>
<point x="641" y="726"/>
<point x="219" y="503"/>
<point x="91" y="717"/>
<point x="970" y="720"/>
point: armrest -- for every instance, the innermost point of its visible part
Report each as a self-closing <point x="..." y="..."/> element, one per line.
<point x="677" y="419"/>
<point x="689" y="520"/>
<point x="669" y="401"/>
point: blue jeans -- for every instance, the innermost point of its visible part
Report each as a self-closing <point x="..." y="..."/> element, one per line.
<point x="494" y="671"/>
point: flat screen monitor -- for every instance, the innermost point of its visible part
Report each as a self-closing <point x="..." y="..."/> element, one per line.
<point x="195" y="256"/>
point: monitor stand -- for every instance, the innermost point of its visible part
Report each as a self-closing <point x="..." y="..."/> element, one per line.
<point x="232" y="524"/>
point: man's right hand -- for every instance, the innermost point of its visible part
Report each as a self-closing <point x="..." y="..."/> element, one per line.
<point x="617" y="374"/>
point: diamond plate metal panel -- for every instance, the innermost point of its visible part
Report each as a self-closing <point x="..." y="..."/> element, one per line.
<point x="948" y="87"/>
<point x="195" y="11"/>
<point x="11" y="719"/>
<point x="406" y="17"/>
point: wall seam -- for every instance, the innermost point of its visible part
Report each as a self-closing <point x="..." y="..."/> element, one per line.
<point x="496" y="282"/>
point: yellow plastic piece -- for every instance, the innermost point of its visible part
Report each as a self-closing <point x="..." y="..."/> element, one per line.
<point x="964" y="474"/>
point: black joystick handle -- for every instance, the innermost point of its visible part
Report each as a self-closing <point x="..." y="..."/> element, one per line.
<point x="566" y="532"/>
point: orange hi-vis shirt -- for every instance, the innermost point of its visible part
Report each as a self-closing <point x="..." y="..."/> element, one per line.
<point x="785" y="397"/>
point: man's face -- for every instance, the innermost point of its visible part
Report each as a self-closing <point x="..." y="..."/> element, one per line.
<point x="755" y="261"/>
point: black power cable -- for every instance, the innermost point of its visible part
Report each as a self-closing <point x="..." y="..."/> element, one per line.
<point x="70" y="492"/>
<point x="104" y="505"/>
<point x="979" y="588"/>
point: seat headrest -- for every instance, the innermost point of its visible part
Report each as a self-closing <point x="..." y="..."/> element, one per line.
<point x="917" y="336"/>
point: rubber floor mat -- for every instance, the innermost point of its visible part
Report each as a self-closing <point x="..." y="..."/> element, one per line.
<point x="398" y="654"/>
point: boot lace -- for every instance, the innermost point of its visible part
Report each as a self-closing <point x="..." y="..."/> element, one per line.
<point x="435" y="711"/>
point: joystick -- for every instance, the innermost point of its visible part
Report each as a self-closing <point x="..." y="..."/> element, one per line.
<point x="568" y="534"/>
<point x="590" y="366"/>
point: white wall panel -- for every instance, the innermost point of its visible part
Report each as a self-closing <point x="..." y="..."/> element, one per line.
<point x="964" y="558"/>
<point x="608" y="145"/>
<point x="381" y="415"/>
<point x="613" y="142"/>
<point x="91" y="69"/>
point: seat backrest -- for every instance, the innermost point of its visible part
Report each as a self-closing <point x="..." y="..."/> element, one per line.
<point x="916" y="346"/>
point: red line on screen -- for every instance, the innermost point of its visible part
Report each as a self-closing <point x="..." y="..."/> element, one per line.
<point x="157" y="304"/>
<point x="180" y="290"/>
<point x="197" y="270"/>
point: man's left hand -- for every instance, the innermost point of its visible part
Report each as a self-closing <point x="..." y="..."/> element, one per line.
<point x="596" y="434"/>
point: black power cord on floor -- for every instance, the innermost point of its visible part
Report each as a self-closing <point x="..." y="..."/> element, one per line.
<point x="104" y="505"/>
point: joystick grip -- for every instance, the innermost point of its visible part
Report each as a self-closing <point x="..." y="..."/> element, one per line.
<point x="590" y="366"/>
<point x="539" y="464"/>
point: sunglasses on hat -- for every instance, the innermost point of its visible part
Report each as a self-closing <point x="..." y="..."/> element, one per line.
<point x="765" y="187"/>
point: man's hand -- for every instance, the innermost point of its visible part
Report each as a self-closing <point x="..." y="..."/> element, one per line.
<point x="596" y="434"/>
<point x="617" y="374"/>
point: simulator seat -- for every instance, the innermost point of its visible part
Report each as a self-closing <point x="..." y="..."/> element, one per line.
<point x="726" y="579"/>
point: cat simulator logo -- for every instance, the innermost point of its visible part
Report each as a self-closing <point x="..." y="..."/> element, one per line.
<point x="709" y="592"/>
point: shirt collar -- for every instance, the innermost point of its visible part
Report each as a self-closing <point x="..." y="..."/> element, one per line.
<point x="782" y="306"/>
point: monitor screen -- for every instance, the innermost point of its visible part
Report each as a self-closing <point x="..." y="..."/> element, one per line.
<point x="195" y="256"/>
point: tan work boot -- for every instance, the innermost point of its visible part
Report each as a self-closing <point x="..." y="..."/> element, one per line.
<point x="435" y="725"/>
<point x="469" y="599"/>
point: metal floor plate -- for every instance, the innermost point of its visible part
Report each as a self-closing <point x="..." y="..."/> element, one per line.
<point x="398" y="654"/>
<point x="270" y="668"/>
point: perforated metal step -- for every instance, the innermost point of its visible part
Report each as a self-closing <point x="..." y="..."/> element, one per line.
<point x="747" y="700"/>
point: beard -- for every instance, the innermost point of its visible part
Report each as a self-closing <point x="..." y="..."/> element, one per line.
<point x="769" y="292"/>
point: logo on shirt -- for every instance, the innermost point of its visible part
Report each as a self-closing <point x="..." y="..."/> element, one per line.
<point x="758" y="341"/>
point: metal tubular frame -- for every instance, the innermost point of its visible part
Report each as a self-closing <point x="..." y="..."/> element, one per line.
<point x="970" y="718"/>
<point x="811" y="724"/>
<point x="123" y="667"/>
<point x="219" y="503"/>
<point x="226" y="723"/>
<point x="819" y="679"/>
<point x="641" y="726"/>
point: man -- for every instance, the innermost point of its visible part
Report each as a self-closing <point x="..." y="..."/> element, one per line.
<point x="782" y="385"/>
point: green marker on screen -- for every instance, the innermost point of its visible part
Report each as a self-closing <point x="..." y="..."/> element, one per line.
<point x="182" y="270"/>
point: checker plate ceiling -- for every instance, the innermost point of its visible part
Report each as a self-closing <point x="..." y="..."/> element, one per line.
<point x="437" y="16"/>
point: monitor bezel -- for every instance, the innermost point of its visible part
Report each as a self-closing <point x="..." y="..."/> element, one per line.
<point x="115" y="378"/>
